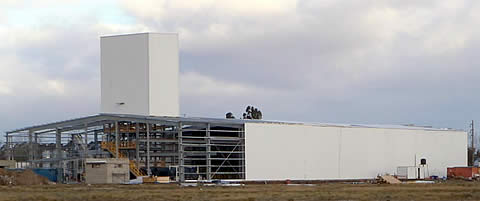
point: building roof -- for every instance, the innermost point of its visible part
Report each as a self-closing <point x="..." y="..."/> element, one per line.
<point x="384" y="126"/>
<point x="102" y="118"/>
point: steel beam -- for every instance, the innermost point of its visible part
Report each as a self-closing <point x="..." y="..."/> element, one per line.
<point x="159" y="154"/>
<point x="59" y="125"/>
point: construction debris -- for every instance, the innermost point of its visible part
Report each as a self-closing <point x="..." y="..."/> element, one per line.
<point x="150" y="179"/>
<point x="163" y="180"/>
<point x="389" y="179"/>
<point x="21" y="177"/>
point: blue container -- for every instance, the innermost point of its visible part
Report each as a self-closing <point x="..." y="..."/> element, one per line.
<point x="50" y="173"/>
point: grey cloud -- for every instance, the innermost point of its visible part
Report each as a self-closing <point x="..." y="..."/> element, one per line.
<point x="340" y="61"/>
<point x="344" y="61"/>
<point x="71" y="56"/>
<point x="68" y="56"/>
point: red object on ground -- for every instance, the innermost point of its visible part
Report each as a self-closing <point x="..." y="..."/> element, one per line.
<point x="465" y="172"/>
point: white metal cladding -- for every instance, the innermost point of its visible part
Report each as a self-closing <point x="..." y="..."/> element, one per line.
<point x="295" y="151"/>
<point x="139" y="74"/>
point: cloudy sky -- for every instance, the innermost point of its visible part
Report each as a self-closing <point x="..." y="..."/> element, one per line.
<point x="358" y="61"/>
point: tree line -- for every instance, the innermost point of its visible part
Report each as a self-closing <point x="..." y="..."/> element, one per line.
<point x="250" y="113"/>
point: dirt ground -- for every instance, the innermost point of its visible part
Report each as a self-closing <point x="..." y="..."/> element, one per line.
<point x="459" y="190"/>
<point x="27" y="177"/>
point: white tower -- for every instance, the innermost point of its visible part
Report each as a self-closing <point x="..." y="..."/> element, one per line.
<point x="139" y="74"/>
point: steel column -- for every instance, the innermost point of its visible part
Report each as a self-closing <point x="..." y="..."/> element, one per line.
<point x="30" y="148"/>
<point x="7" y="141"/>
<point x="109" y="133"/>
<point x="95" y="141"/>
<point x="149" y="172"/>
<point x="85" y="148"/>
<point x="75" y="169"/>
<point x="116" y="140"/>
<point x="86" y="134"/>
<point x="12" y="154"/>
<point x="137" y="144"/>
<point x="35" y="145"/>
<point x="242" y="148"/>
<point x="58" y="147"/>
<point x="181" y="160"/>
<point x="209" y="149"/>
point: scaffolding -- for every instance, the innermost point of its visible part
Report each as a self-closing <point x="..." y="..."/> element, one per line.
<point x="192" y="148"/>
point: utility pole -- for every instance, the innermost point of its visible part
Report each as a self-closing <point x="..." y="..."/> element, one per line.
<point x="473" y="136"/>
<point x="471" y="151"/>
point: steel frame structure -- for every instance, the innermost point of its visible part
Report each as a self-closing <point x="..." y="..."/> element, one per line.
<point x="199" y="148"/>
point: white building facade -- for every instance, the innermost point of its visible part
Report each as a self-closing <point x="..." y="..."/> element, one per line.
<point x="277" y="151"/>
<point x="139" y="74"/>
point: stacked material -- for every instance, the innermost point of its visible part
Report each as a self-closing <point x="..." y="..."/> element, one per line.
<point x="149" y="179"/>
<point x="155" y="179"/>
<point x="163" y="180"/>
<point x="21" y="177"/>
<point x="389" y="179"/>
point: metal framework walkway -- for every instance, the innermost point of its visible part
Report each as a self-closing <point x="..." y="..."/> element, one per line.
<point x="198" y="147"/>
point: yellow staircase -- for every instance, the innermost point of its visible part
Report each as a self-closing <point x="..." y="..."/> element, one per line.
<point x="110" y="147"/>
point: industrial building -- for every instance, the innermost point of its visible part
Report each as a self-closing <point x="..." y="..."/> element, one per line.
<point x="140" y="122"/>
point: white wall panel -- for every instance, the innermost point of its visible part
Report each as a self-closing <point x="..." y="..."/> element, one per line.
<point x="294" y="151"/>
<point x="124" y="67"/>
<point x="140" y="71"/>
<point x="163" y="75"/>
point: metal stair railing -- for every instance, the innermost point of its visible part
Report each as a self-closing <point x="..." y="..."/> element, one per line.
<point x="110" y="147"/>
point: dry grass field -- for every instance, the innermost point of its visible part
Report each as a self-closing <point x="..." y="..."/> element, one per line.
<point x="254" y="192"/>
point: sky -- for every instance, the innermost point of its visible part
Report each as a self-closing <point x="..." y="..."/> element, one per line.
<point x="330" y="61"/>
